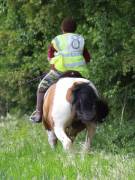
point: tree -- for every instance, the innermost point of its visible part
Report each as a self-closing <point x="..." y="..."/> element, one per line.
<point x="27" y="27"/>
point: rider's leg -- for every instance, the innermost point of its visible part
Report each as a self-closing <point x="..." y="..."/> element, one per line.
<point x="37" y="115"/>
<point x="46" y="82"/>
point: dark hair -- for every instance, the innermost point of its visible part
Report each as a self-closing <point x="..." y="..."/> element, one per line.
<point x="89" y="107"/>
<point x="102" y="110"/>
<point x="84" y="98"/>
<point x="68" y="25"/>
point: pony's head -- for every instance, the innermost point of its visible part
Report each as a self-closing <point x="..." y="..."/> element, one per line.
<point x="88" y="106"/>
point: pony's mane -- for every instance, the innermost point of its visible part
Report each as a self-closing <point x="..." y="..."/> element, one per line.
<point x="84" y="98"/>
<point x="88" y="106"/>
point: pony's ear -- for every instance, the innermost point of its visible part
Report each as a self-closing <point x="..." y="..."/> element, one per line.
<point x="102" y="110"/>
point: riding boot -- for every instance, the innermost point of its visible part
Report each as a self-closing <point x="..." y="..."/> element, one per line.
<point x="36" y="116"/>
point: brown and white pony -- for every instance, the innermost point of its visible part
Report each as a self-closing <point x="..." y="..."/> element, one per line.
<point x="71" y="105"/>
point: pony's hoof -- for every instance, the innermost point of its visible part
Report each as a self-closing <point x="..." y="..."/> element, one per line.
<point x="35" y="117"/>
<point x="68" y="145"/>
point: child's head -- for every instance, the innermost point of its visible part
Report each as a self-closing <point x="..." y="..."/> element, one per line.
<point x="68" y="25"/>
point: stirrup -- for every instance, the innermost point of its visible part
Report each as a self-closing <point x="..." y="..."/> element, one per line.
<point x="36" y="117"/>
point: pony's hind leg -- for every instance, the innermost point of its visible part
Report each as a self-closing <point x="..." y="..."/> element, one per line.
<point x="61" y="135"/>
<point x="52" y="139"/>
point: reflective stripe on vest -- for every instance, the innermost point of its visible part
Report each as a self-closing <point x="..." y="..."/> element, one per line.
<point x="71" y="54"/>
<point x="74" y="64"/>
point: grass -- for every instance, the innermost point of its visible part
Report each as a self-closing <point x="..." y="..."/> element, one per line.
<point x="25" y="153"/>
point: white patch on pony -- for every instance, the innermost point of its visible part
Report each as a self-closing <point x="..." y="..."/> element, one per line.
<point x="61" y="135"/>
<point x="61" y="110"/>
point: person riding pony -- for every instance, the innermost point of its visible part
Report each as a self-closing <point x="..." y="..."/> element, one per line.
<point x="66" y="52"/>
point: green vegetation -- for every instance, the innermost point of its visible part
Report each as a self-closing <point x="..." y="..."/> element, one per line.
<point x="27" y="28"/>
<point x="26" y="154"/>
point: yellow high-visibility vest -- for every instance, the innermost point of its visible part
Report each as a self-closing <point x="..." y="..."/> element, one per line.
<point x="69" y="55"/>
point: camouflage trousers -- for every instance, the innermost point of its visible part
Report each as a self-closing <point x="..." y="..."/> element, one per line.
<point x="48" y="80"/>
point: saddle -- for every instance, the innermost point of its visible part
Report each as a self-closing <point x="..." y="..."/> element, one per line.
<point x="71" y="73"/>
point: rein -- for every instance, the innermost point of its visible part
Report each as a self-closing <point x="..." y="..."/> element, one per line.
<point x="37" y="78"/>
<point x="32" y="80"/>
